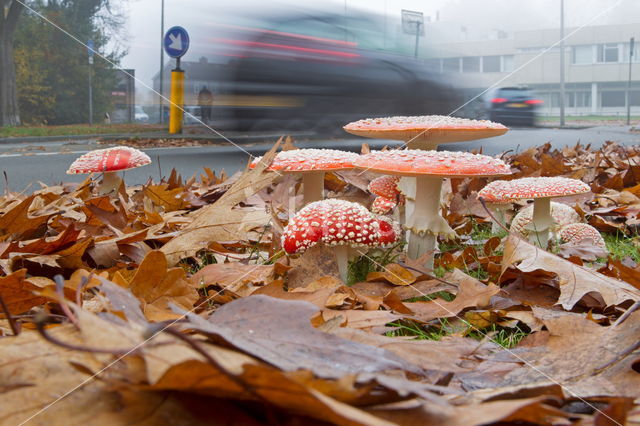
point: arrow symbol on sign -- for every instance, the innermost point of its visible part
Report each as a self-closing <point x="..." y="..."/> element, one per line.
<point x="176" y="41"/>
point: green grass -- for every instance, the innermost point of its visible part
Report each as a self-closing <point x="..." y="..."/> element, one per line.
<point x="77" y="129"/>
<point x="375" y="260"/>
<point x="506" y="337"/>
<point x="620" y="246"/>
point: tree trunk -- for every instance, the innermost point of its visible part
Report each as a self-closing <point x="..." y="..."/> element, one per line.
<point x="9" y="113"/>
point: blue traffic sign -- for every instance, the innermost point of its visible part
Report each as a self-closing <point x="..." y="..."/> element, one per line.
<point x="176" y="42"/>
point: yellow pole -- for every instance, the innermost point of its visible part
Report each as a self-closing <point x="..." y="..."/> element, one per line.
<point x="177" y="101"/>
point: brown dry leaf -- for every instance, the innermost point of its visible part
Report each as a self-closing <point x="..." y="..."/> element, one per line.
<point x="374" y="321"/>
<point x="17" y="220"/>
<point x="169" y="199"/>
<point x="393" y="273"/>
<point x="19" y="293"/>
<point x="574" y="281"/>
<point x="314" y="264"/>
<point x="220" y="221"/>
<point x="576" y="351"/>
<point x="236" y="277"/>
<point x="520" y="411"/>
<point x="280" y="333"/>
<point x="472" y="293"/>
<point x="156" y="286"/>
<point x="317" y="297"/>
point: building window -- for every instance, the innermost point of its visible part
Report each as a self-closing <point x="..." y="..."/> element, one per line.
<point x="634" y="98"/>
<point x="507" y="63"/>
<point x="636" y="53"/>
<point x="583" y="99"/>
<point x="451" y="65"/>
<point x="471" y="64"/>
<point x="608" y="53"/>
<point x="491" y="64"/>
<point x="582" y="55"/>
<point x="612" y="98"/>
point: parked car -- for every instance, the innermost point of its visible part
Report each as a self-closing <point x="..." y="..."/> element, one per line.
<point x="139" y="115"/>
<point x="320" y="71"/>
<point x="513" y="105"/>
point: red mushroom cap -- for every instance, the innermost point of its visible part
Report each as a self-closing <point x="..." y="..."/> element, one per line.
<point x="415" y="162"/>
<point x="433" y="128"/>
<point x="385" y="186"/>
<point x="383" y="205"/>
<point x="389" y="230"/>
<point x="532" y="187"/>
<point x="577" y="233"/>
<point x="307" y="160"/>
<point x="335" y="222"/>
<point x="109" y="160"/>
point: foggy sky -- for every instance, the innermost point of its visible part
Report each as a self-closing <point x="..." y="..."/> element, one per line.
<point x="142" y="34"/>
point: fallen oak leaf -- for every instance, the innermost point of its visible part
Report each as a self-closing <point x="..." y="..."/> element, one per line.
<point x="574" y="281"/>
<point x="236" y="277"/>
<point x="394" y="274"/>
<point x="19" y="293"/>
<point x="280" y="333"/>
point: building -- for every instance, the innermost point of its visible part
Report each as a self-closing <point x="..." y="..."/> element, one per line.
<point x="596" y="67"/>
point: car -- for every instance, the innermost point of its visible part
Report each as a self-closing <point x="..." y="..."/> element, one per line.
<point x="139" y="115"/>
<point x="513" y="105"/>
<point x="319" y="71"/>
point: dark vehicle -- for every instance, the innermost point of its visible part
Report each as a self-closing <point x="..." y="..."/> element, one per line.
<point x="319" y="72"/>
<point x="513" y="105"/>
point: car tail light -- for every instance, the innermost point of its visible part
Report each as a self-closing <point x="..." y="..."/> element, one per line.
<point x="534" y="102"/>
<point x="498" y="100"/>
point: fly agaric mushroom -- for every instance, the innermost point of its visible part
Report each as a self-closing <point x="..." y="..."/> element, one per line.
<point x="109" y="162"/>
<point x="339" y="223"/>
<point x="561" y="214"/>
<point x="430" y="168"/>
<point x="427" y="131"/>
<point x="312" y="165"/>
<point x="541" y="189"/>
<point x="576" y="234"/>
<point x="386" y="189"/>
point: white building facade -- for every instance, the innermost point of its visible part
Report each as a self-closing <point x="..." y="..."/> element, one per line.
<point x="596" y="67"/>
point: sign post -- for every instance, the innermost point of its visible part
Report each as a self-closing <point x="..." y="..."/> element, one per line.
<point x="413" y="23"/>
<point x="176" y="44"/>
<point x="632" y="43"/>
<point x="90" y="53"/>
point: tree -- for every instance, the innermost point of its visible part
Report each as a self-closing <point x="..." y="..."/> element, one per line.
<point x="54" y="69"/>
<point x="9" y="113"/>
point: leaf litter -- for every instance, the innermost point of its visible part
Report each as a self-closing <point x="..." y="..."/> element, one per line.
<point x="172" y="303"/>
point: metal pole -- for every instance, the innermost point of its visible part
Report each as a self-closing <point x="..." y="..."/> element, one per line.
<point x="415" y="54"/>
<point x="90" y="97"/>
<point x="161" y="91"/>
<point x="562" y="54"/>
<point x="631" y="47"/>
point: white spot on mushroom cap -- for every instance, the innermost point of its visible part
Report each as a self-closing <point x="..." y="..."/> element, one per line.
<point x="311" y="159"/>
<point x="422" y="121"/>
<point x="109" y="159"/>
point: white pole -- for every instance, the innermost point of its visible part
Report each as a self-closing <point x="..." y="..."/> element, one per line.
<point x="161" y="90"/>
<point x="562" y="55"/>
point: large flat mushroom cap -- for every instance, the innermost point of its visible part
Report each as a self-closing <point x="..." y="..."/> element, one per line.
<point x="532" y="187"/>
<point x="109" y="160"/>
<point x="415" y="162"/>
<point x="426" y="128"/>
<point x="308" y="160"/>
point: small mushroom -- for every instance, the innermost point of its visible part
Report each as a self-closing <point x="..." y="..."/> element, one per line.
<point x="388" y="194"/>
<point x="109" y="162"/>
<point x="541" y="189"/>
<point x="576" y="234"/>
<point x="430" y="168"/>
<point x="562" y="214"/>
<point x="339" y="223"/>
<point x="426" y="131"/>
<point x="312" y="165"/>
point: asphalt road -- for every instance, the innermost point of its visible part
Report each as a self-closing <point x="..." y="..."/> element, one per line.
<point x="25" y="164"/>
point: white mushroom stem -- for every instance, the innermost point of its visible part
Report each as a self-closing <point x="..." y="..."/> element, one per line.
<point x="110" y="182"/>
<point x="312" y="186"/>
<point x="343" y="253"/>
<point x="542" y="221"/>
<point x="426" y="223"/>
<point x="498" y="211"/>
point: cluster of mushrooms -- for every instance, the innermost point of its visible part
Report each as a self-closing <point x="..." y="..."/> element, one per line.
<point x="412" y="180"/>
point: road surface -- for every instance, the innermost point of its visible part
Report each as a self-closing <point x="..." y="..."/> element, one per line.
<point x="26" y="164"/>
